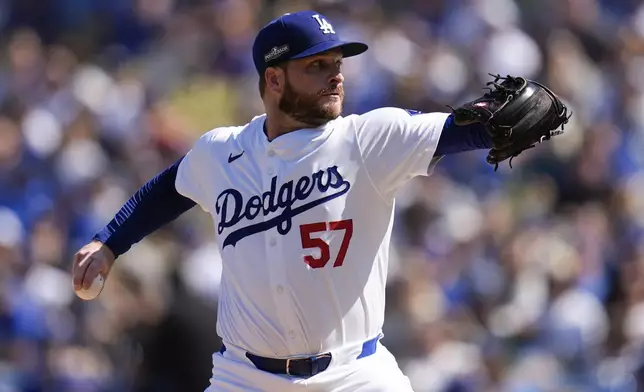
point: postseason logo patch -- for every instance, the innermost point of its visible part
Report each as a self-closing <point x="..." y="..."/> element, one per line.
<point x="276" y="52"/>
<point x="412" y="112"/>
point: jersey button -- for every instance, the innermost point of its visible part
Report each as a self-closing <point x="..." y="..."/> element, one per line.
<point x="280" y="289"/>
<point x="270" y="171"/>
<point x="272" y="242"/>
<point x="271" y="153"/>
<point x="291" y="334"/>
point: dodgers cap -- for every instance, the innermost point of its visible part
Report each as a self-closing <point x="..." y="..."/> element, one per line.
<point x="297" y="35"/>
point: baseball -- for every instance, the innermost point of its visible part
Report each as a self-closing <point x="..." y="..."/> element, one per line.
<point x="94" y="290"/>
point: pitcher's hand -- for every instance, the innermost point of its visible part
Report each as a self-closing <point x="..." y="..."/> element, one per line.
<point x="92" y="259"/>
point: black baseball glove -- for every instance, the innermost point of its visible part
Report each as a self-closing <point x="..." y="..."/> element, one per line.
<point x="518" y="113"/>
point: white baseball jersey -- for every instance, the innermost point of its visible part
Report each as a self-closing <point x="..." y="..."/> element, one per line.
<point x="304" y="224"/>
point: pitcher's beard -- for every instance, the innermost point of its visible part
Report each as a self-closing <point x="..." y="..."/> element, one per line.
<point x="307" y="108"/>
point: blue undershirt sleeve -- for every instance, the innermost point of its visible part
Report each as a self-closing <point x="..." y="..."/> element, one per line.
<point x="154" y="205"/>
<point x="460" y="138"/>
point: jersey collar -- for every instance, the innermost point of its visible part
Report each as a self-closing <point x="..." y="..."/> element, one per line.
<point x="294" y="144"/>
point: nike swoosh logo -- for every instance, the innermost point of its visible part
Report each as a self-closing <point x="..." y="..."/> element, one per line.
<point x="232" y="158"/>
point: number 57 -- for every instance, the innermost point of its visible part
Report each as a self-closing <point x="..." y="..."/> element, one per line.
<point x="311" y="243"/>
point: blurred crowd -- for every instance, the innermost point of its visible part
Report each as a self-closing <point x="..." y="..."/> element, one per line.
<point x="527" y="279"/>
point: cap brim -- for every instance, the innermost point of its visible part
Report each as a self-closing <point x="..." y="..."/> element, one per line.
<point x="349" y="49"/>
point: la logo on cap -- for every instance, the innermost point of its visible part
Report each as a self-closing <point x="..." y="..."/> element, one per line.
<point x="325" y="26"/>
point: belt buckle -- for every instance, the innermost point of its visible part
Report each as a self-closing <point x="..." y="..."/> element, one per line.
<point x="288" y="366"/>
<point x="311" y="361"/>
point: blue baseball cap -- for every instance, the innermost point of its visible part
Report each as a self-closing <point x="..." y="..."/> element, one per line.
<point x="297" y="35"/>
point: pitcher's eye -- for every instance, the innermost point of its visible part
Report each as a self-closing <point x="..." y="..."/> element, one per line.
<point x="317" y="64"/>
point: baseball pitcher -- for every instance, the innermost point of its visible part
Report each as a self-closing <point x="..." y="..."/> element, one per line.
<point x="302" y="199"/>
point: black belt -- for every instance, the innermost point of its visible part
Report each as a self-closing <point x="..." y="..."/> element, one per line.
<point x="302" y="367"/>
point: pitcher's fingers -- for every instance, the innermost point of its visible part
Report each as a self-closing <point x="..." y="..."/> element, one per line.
<point x="78" y="271"/>
<point x="93" y="269"/>
<point x="79" y="256"/>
